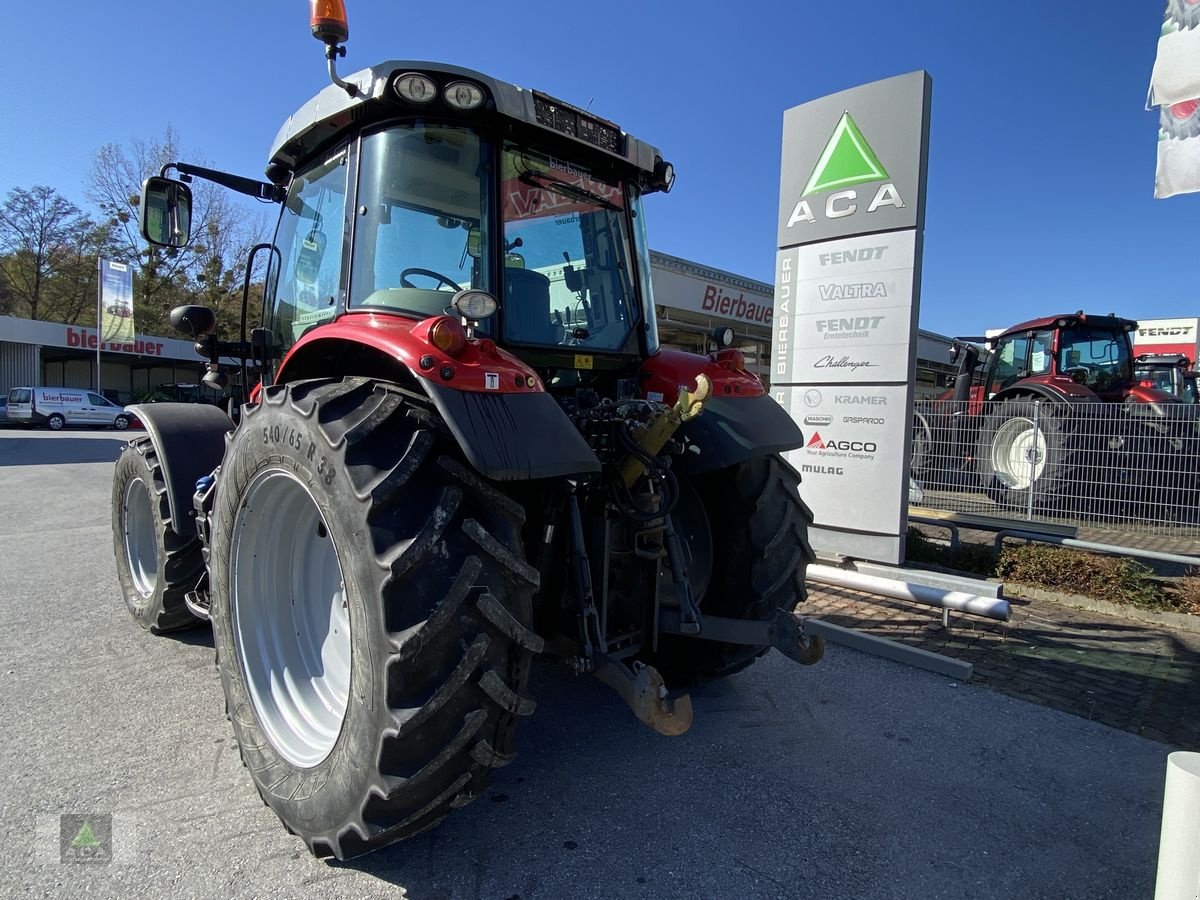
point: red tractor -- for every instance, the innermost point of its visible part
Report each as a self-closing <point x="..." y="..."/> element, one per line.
<point x="1056" y="415"/>
<point x="467" y="449"/>
<point x="1169" y="372"/>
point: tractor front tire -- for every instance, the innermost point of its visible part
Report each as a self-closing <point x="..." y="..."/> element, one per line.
<point x="760" y="552"/>
<point x="155" y="566"/>
<point x="371" y="607"/>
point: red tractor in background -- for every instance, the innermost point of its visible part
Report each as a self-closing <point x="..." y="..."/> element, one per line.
<point x="1056" y="418"/>
<point x="467" y="449"/>
<point x="1169" y="372"/>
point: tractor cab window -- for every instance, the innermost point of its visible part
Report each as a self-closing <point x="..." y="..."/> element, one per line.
<point x="569" y="268"/>
<point x="1189" y="390"/>
<point x="421" y="229"/>
<point x="1022" y="356"/>
<point x="1098" y="358"/>
<point x="310" y="245"/>
<point x="1161" y="377"/>
<point x="1009" y="363"/>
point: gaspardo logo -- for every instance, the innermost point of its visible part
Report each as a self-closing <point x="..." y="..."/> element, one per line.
<point x="848" y="159"/>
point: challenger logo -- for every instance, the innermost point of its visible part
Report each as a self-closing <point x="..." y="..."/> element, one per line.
<point x="846" y="160"/>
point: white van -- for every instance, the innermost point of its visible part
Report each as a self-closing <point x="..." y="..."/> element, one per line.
<point x="57" y="407"/>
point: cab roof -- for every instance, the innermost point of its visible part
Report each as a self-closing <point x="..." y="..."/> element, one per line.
<point x="1070" y="319"/>
<point x="333" y="111"/>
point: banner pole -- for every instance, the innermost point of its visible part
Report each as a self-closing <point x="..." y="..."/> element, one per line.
<point x="99" y="318"/>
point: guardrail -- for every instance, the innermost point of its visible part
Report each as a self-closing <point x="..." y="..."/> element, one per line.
<point x="1125" y="467"/>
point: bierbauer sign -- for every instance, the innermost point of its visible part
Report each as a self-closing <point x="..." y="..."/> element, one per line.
<point x="851" y="213"/>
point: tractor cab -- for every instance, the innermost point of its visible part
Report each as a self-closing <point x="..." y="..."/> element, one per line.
<point x="420" y="192"/>
<point x="1071" y="356"/>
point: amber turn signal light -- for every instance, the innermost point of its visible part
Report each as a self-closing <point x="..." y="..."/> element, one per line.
<point x="448" y="335"/>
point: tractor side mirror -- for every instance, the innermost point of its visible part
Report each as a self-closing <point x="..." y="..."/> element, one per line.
<point x="165" y="212"/>
<point x="194" y="321"/>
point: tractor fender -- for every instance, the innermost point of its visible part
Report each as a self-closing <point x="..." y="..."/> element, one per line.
<point x="189" y="439"/>
<point x="1042" y="390"/>
<point x="514" y="437"/>
<point x="508" y="426"/>
<point x="731" y="431"/>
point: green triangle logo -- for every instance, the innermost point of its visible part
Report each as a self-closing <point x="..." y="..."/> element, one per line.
<point x="85" y="838"/>
<point x="847" y="159"/>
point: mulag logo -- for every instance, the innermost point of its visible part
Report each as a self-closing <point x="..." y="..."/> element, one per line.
<point x="846" y="160"/>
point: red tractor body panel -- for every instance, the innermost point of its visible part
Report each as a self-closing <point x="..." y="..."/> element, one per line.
<point x="668" y="370"/>
<point x="480" y="366"/>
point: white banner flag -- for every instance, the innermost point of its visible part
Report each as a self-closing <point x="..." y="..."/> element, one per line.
<point x="1176" y="76"/>
<point x="1178" y="150"/>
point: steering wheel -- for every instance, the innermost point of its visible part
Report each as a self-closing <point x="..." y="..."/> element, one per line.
<point x="1079" y="374"/>
<point x="428" y="273"/>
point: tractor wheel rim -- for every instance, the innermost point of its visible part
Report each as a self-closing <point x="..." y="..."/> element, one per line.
<point x="1019" y="453"/>
<point x="141" y="541"/>
<point x="291" y="625"/>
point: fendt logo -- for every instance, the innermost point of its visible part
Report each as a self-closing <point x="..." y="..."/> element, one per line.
<point x="846" y="160"/>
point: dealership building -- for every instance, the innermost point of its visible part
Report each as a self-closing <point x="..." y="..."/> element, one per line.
<point x="52" y="354"/>
<point x="692" y="300"/>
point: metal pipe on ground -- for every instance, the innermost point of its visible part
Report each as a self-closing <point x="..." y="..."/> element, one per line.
<point x="1111" y="549"/>
<point x="989" y="607"/>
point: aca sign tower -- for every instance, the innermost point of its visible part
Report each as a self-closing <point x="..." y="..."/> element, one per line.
<point x="851" y="215"/>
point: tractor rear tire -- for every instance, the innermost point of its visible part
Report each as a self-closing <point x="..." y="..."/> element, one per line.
<point x="1011" y="455"/>
<point x="155" y="566"/>
<point x="371" y="612"/>
<point x="760" y="552"/>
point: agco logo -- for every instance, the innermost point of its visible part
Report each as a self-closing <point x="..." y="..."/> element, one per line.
<point x="846" y="160"/>
<point x="816" y="444"/>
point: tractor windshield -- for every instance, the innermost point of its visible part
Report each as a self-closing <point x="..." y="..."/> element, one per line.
<point x="1099" y="358"/>
<point x="419" y="232"/>
<point x="569" y="262"/>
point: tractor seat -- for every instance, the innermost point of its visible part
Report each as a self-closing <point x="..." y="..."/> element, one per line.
<point x="527" y="308"/>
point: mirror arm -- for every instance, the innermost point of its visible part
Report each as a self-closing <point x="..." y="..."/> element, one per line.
<point x="259" y="189"/>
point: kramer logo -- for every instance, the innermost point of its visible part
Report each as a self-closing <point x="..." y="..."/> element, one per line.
<point x="846" y="160"/>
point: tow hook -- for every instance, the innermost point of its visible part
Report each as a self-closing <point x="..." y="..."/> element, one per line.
<point x="645" y="691"/>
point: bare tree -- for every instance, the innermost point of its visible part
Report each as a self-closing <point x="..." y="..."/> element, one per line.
<point x="207" y="270"/>
<point x="46" y="244"/>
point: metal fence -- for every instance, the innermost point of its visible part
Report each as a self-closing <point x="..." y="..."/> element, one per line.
<point x="1122" y="467"/>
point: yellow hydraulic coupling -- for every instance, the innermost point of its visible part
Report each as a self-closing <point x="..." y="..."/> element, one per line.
<point x="659" y="430"/>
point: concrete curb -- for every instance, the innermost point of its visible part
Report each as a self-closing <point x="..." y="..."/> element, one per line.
<point x="1176" y="621"/>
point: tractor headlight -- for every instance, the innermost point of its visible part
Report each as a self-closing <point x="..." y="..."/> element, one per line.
<point x="415" y="87"/>
<point x="462" y="95"/>
<point x="473" y="305"/>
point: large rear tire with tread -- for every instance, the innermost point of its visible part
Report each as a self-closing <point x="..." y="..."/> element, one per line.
<point x="374" y="690"/>
<point x="1043" y="448"/>
<point x="760" y="553"/>
<point x="155" y="566"/>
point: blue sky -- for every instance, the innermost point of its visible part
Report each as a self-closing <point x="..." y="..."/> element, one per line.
<point x="1041" y="174"/>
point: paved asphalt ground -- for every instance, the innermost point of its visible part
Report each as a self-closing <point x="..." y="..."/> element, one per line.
<point x="852" y="778"/>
